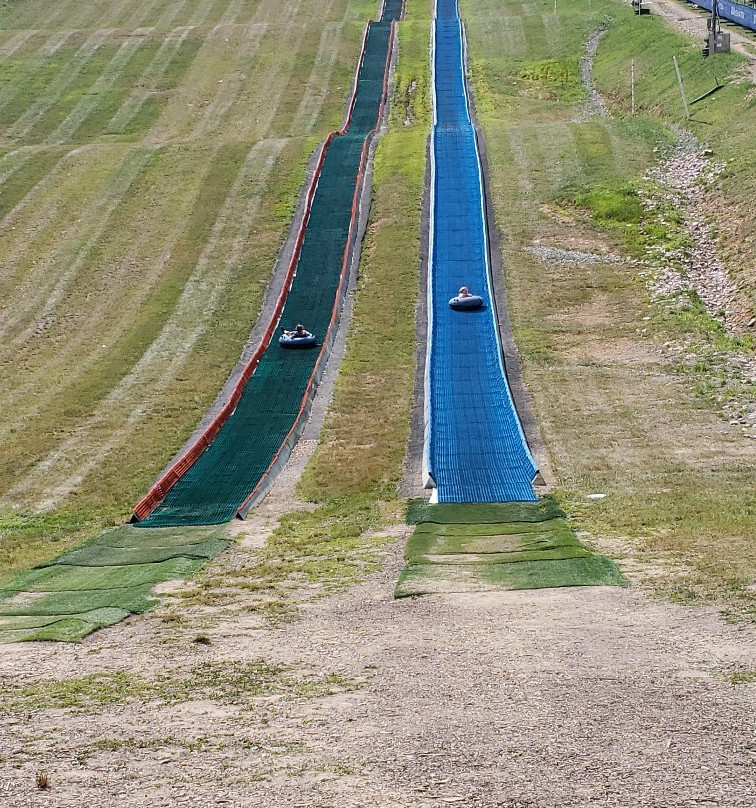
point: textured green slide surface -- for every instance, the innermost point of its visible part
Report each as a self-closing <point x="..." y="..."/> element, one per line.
<point x="217" y="484"/>
<point x="102" y="582"/>
<point x="497" y="546"/>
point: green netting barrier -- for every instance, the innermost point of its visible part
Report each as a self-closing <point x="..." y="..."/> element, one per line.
<point x="420" y="510"/>
<point x="427" y="579"/>
<point x="220" y="480"/>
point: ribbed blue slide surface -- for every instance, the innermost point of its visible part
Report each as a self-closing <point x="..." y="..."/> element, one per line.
<point x="475" y="449"/>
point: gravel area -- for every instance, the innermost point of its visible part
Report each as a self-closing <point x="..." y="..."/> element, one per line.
<point x="680" y="181"/>
<point x="557" y="255"/>
<point x="548" y="699"/>
<point x="594" y="105"/>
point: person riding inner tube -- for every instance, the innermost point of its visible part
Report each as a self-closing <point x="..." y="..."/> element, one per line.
<point x="465" y="300"/>
<point x="299" y="337"/>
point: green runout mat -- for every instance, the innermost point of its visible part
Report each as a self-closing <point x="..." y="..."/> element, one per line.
<point x="429" y="579"/>
<point x="68" y="628"/>
<point x="134" y="599"/>
<point x="137" y="539"/>
<point x="432" y="538"/>
<point x="102" y="582"/>
<point x="493" y="528"/>
<point x="103" y="555"/>
<point x="64" y="578"/>
<point x="420" y="510"/>
<point x="509" y="557"/>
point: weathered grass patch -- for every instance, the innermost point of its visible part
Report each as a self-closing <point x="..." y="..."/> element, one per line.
<point x="231" y="682"/>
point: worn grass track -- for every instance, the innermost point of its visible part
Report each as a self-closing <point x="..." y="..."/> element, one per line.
<point x="151" y="154"/>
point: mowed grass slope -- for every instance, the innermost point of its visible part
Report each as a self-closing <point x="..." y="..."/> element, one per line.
<point x="151" y="155"/>
<point x="617" y="418"/>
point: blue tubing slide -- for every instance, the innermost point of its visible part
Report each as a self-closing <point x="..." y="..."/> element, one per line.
<point x="475" y="449"/>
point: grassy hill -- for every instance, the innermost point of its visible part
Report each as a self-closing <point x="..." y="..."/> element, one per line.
<point x="151" y="154"/>
<point x="141" y="236"/>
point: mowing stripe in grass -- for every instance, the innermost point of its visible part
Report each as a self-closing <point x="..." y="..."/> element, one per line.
<point x="279" y="52"/>
<point x="51" y="96"/>
<point x="117" y="415"/>
<point x="141" y="16"/>
<point x="38" y="222"/>
<point x="318" y="81"/>
<point x="28" y="80"/>
<point x="138" y="318"/>
<point x="25" y="175"/>
<point x="113" y="72"/>
<point x="15" y="42"/>
<point x="249" y="45"/>
<point x="174" y="55"/>
<point x="29" y="15"/>
<point x="42" y="289"/>
<point x="295" y="90"/>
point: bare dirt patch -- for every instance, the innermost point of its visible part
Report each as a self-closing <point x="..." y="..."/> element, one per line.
<point x="555" y="698"/>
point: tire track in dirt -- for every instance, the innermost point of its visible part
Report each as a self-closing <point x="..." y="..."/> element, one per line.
<point x="114" y="419"/>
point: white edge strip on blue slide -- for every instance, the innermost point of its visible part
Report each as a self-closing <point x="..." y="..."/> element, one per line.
<point x="427" y="471"/>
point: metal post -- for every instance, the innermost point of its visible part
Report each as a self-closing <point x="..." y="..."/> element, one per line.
<point x="682" y="91"/>
<point x="632" y="86"/>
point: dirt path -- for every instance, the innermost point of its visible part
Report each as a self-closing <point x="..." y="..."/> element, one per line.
<point x="575" y="697"/>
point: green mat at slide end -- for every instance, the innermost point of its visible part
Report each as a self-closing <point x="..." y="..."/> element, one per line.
<point x="69" y="628"/>
<point x="497" y="546"/>
<point x="420" y="510"/>
<point x="429" y="579"/>
<point x="101" y="582"/>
